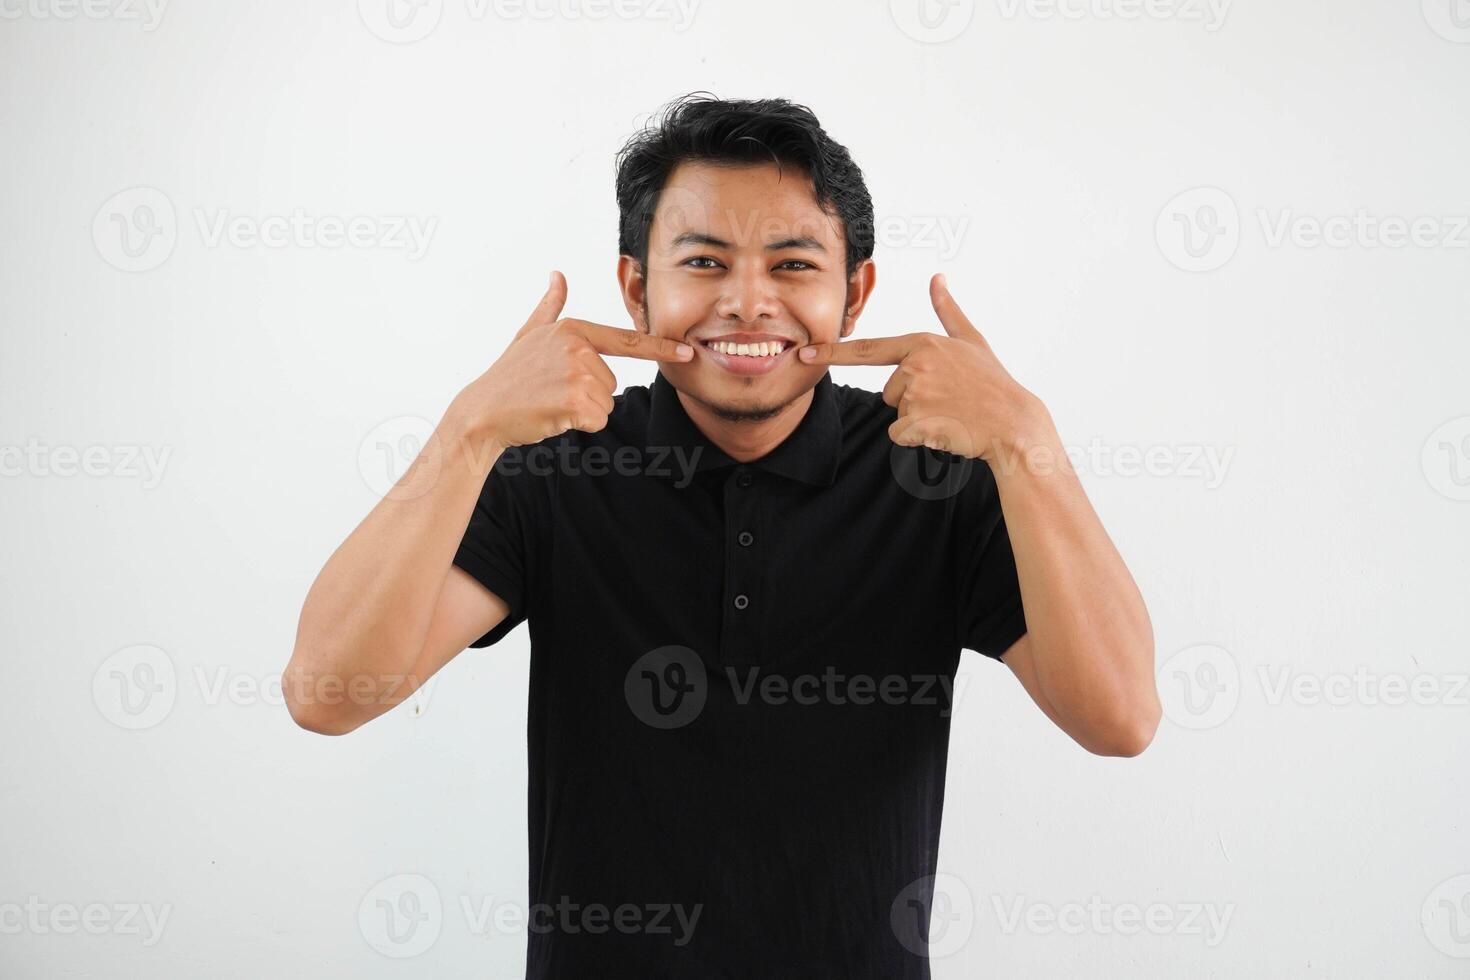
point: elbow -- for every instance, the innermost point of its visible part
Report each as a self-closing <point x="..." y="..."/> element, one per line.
<point x="320" y="722"/>
<point x="1134" y="722"/>
<point x="312" y="713"/>
<point x="1128" y="737"/>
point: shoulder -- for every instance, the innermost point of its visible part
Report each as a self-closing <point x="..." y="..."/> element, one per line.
<point x="864" y="418"/>
<point x="854" y="404"/>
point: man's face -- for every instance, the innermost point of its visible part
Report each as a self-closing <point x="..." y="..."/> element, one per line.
<point x="740" y="257"/>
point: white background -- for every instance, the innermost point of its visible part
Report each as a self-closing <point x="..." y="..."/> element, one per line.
<point x="1327" y="546"/>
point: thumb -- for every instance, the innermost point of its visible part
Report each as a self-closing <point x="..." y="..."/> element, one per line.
<point x="550" y="307"/>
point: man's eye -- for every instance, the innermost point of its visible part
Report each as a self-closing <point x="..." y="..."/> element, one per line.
<point x="804" y="265"/>
<point x="701" y="258"/>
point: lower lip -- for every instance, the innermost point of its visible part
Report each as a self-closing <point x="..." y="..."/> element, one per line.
<point x="740" y="364"/>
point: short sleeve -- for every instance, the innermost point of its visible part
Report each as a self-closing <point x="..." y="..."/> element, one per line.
<point x="988" y="601"/>
<point x="502" y="539"/>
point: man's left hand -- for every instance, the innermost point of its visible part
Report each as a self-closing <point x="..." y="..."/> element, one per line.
<point x="951" y="391"/>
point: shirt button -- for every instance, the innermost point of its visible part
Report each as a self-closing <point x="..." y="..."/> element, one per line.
<point x="741" y="601"/>
<point x="744" y="480"/>
<point x="745" y="539"/>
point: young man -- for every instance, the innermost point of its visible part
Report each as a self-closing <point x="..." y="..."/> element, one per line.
<point x="747" y="586"/>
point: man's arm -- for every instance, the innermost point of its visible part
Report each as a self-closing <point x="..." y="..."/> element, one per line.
<point x="1088" y="656"/>
<point x="1087" y="659"/>
<point x="389" y="609"/>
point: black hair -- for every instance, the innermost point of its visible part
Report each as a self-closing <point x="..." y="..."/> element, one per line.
<point x="700" y="127"/>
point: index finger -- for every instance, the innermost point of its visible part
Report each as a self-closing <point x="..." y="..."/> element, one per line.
<point x="868" y="350"/>
<point x="617" y="342"/>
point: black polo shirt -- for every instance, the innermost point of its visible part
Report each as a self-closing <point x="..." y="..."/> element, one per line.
<point x="739" y="685"/>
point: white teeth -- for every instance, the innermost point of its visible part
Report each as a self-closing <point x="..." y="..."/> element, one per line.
<point x="766" y="348"/>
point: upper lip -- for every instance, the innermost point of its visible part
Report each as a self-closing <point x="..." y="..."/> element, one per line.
<point x="748" y="338"/>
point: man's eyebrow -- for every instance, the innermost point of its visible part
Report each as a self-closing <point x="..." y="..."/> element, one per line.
<point x="700" y="238"/>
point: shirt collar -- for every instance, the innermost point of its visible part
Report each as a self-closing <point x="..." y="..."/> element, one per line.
<point x="810" y="454"/>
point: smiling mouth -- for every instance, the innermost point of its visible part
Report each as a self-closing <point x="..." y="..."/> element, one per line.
<point x="764" y="348"/>
<point x="747" y="357"/>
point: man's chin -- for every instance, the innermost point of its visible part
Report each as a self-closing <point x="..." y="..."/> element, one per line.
<point x="746" y="413"/>
<point x="747" y="408"/>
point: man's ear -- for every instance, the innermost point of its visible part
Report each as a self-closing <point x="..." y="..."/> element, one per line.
<point x="859" y="288"/>
<point x="634" y="287"/>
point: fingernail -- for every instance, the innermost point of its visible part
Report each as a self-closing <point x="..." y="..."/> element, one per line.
<point x="685" y="351"/>
<point x="807" y="353"/>
<point x="943" y="282"/>
<point x="551" y="279"/>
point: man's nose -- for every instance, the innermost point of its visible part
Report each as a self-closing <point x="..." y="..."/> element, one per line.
<point x="749" y="295"/>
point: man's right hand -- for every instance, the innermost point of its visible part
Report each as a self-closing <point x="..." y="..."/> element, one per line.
<point x="552" y="376"/>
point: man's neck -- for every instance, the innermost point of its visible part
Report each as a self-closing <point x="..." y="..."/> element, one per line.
<point x="745" y="441"/>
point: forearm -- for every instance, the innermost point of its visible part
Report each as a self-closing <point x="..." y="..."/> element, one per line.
<point x="1091" y="640"/>
<point x="366" y="615"/>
